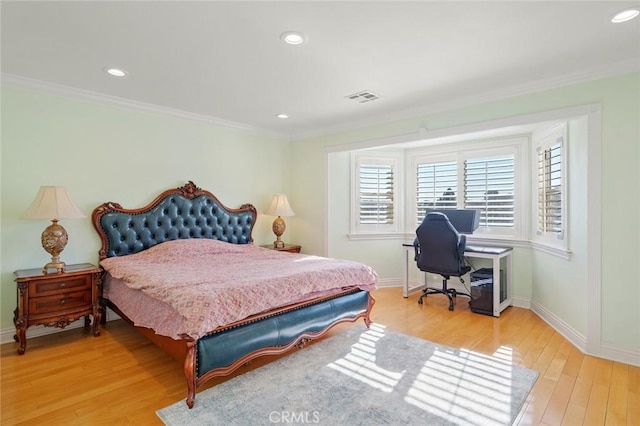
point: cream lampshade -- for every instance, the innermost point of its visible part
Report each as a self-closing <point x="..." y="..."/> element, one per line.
<point x="279" y="207"/>
<point x="53" y="203"/>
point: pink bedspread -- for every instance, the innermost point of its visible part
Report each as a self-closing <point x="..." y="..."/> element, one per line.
<point x="213" y="283"/>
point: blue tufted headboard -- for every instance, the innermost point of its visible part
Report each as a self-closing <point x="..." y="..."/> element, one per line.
<point x="185" y="212"/>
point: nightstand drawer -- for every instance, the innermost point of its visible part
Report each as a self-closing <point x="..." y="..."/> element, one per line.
<point x="59" y="302"/>
<point x="58" y="286"/>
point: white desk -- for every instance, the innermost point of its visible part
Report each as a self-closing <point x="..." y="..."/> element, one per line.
<point x="493" y="253"/>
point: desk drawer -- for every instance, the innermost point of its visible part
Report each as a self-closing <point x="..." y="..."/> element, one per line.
<point x="60" y="302"/>
<point x="59" y="286"/>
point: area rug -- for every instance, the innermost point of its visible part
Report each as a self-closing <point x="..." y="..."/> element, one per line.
<point x="366" y="377"/>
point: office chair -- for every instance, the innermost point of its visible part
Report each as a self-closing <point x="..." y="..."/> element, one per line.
<point x="439" y="249"/>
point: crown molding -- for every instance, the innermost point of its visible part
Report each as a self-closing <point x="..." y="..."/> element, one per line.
<point x="605" y="71"/>
<point x="11" y="80"/>
<point x="610" y="70"/>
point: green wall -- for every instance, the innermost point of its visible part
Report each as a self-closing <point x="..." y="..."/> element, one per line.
<point x="113" y="153"/>
<point x="619" y="98"/>
<point x="108" y="153"/>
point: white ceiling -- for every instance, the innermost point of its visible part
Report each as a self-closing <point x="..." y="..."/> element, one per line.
<point x="225" y="61"/>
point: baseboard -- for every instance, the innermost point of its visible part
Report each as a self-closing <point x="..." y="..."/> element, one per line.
<point x="521" y="302"/>
<point x="603" y="350"/>
<point x="620" y="354"/>
<point x="6" y="335"/>
<point x="573" y="336"/>
<point x="389" y="282"/>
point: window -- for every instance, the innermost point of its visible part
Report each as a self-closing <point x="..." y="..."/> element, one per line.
<point x="489" y="185"/>
<point x="517" y="181"/>
<point x="550" y="190"/>
<point x="436" y="187"/>
<point x="376" y="194"/>
<point x="466" y="177"/>
<point x="375" y="204"/>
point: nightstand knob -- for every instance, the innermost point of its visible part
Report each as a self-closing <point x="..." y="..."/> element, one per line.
<point x="63" y="285"/>
<point x="62" y="302"/>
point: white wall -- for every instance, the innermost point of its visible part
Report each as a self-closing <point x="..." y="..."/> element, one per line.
<point x="620" y="164"/>
<point x="107" y="153"/>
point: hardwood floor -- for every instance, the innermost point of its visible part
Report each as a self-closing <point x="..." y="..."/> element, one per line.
<point x="72" y="378"/>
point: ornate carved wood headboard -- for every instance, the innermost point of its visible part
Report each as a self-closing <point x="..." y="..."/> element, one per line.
<point x="184" y="212"/>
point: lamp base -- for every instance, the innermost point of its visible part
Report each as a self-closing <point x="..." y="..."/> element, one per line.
<point x="54" y="240"/>
<point x="58" y="266"/>
<point x="278" y="228"/>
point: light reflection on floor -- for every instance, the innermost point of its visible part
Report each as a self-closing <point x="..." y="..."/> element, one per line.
<point x="360" y="363"/>
<point x="460" y="386"/>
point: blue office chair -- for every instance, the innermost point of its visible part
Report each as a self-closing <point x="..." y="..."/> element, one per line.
<point x="439" y="249"/>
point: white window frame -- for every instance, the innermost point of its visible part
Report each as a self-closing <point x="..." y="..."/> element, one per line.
<point x="545" y="139"/>
<point x="390" y="158"/>
<point x="513" y="146"/>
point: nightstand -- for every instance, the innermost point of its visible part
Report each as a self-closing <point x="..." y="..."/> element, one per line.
<point x="56" y="299"/>
<point x="291" y="248"/>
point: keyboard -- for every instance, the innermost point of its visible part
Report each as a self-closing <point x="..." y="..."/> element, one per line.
<point x="489" y="250"/>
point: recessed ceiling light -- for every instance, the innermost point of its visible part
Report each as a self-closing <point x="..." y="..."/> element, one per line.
<point x="282" y="116"/>
<point x="625" y="15"/>
<point x="116" y="72"/>
<point x="293" y="37"/>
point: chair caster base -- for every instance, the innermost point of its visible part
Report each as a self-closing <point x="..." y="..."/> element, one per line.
<point x="451" y="294"/>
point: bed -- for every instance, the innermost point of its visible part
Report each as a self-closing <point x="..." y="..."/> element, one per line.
<point x="184" y="270"/>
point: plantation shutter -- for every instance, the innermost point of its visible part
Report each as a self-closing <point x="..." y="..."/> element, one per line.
<point x="436" y="187"/>
<point x="376" y="194"/>
<point x="490" y="186"/>
<point x="550" y="189"/>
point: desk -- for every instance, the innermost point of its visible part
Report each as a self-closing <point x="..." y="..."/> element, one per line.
<point x="493" y="253"/>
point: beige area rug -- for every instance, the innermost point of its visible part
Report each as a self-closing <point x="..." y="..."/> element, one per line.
<point x="366" y="377"/>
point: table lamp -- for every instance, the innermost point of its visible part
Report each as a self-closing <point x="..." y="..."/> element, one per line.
<point x="279" y="207"/>
<point x="54" y="203"/>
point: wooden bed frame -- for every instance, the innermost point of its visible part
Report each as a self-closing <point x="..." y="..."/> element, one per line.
<point x="190" y="212"/>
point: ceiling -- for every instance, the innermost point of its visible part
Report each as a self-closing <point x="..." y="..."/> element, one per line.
<point x="224" y="61"/>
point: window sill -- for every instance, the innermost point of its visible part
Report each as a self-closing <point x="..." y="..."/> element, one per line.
<point x="497" y="242"/>
<point x="562" y="253"/>
<point x="379" y="236"/>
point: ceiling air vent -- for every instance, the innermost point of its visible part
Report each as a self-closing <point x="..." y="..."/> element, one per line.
<point x="363" y="97"/>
